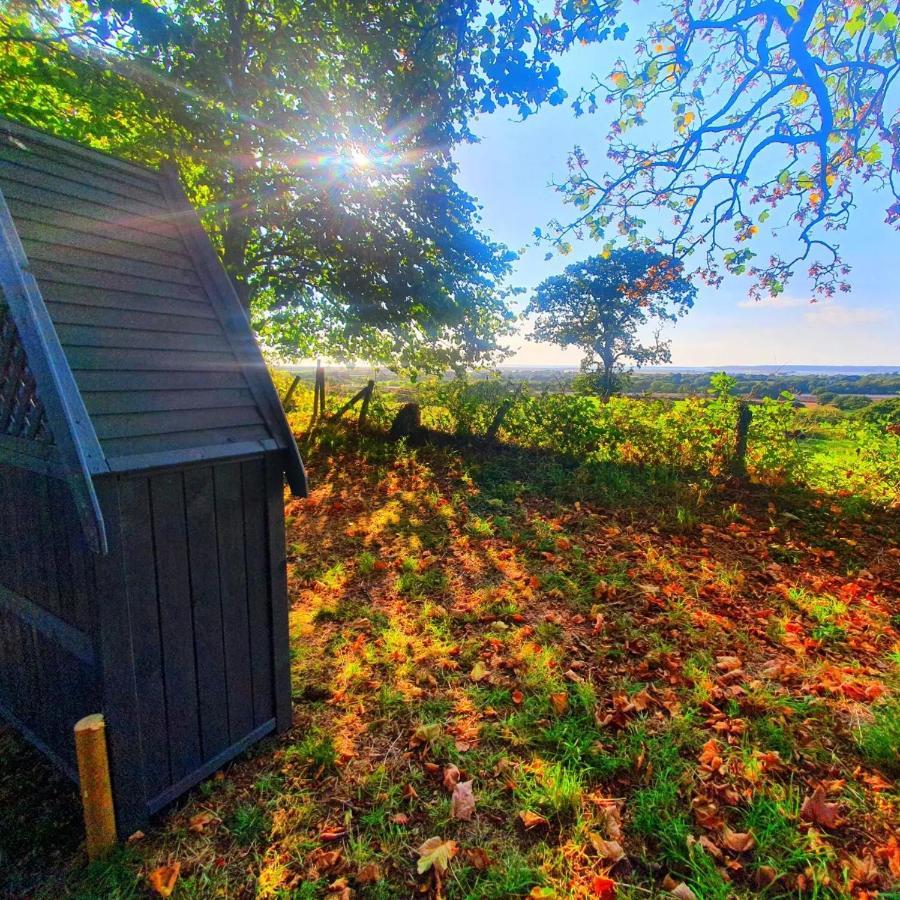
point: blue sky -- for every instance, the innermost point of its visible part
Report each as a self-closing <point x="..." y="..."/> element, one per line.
<point x="509" y="171"/>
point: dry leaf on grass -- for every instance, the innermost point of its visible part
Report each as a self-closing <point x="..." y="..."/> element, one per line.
<point x="451" y="778"/>
<point x="739" y="841"/>
<point x="815" y="809"/>
<point x="608" y="851"/>
<point x="478" y="859"/>
<point x="559" y="702"/>
<point x="199" y="822"/>
<point x="163" y="879"/>
<point x="369" y="874"/>
<point x="435" y="853"/>
<point x="533" y="820"/>
<point x="462" y="804"/>
<point x="603" y="888"/>
<point x="479" y="672"/>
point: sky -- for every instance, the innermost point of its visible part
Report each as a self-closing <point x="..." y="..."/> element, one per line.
<point x="509" y="170"/>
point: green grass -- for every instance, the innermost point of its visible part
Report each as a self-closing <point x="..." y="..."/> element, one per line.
<point x="879" y="740"/>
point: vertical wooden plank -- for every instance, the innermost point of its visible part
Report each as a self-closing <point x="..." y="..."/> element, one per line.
<point x="118" y="682"/>
<point x="230" y="528"/>
<point x="176" y="625"/>
<point x="258" y="607"/>
<point x="140" y="586"/>
<point x="199" y="495"/>
<point x="278" y="595"/>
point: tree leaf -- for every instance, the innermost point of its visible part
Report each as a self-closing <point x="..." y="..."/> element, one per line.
<point x="435" y="853"/>
<point x="462" y="803"/>
<point x="164" y="878"/>
<point x="815" y="809"/>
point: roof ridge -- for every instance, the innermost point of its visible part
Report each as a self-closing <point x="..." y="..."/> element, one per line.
<point x="37" y="135"/>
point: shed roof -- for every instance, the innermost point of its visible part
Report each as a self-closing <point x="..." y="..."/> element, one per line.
<point x="123" y="345"/>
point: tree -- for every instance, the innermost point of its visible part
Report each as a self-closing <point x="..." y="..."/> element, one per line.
<point x="317" y="137"/>
<point x="779" y="113"/>
<point x="600" y="304"/>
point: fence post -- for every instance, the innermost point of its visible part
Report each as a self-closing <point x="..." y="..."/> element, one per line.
<point x="290" y="394"/>
<point x="364" y="409"/>
<point x="739" y="470"/>
<point x="96" y="788"/>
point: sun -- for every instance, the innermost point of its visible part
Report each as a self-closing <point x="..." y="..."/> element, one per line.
<point x="360" y="159"/>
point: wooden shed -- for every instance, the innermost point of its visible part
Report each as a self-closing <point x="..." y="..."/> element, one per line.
<point x="143" y="450"/>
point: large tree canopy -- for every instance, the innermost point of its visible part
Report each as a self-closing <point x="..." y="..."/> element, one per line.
<point x="318" y="137"/>
<point x="601" y="306"/>
<point x="778" y="112"/>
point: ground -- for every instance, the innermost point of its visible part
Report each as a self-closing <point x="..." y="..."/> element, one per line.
<point x="644" y="684"/>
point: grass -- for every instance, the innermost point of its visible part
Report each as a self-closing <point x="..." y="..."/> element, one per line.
<point x="631" y="657"/>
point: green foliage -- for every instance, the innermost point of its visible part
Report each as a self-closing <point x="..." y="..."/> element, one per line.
<point x="316" y="138"/>
<point x="600" y="304"/>
<point x="879" y="740"/>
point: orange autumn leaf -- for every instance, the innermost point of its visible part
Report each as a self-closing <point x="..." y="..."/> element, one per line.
<point x="164" y="878"/>
<point x="532" y="820"/>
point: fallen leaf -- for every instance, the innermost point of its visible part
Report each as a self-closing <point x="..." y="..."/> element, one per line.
<point x="559" y="702"/>
<point x="332" y="834"/>
<point x="400" y="819"/>
<point x="479" y="671"/>
<point x="765" y="875"/>
<point x="369" y="874"/>
<point x="728" y="663"/>
<point x="815" y="809"/>
<point x="426" y="734"/>
<point x="683" y="892"/>
<point x="321" y="860"/>
<point x="864" y="871"/>
<point x="163" y="879"/>
<point x="198" y="822"/>
<point x="462" y="803"/>
<point x="739" y="841"/>
<point x="478" y="859"/>
<point x="533" y="820"/>
<point x="517" y="697"/>
<point x="339" y="890"/>
<point x="603" y="887"/>
<point x="451" y="778"/>
<point x="609" y="851"/>
<point x="137" y="836"/>
<point x="435" y="853"/>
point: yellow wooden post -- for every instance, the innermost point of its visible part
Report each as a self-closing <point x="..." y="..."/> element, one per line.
<point x="96" y="789"/>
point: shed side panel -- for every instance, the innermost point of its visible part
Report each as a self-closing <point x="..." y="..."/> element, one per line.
<point x="48" y="672"/>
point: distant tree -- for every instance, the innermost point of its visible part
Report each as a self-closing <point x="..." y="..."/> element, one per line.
<point x="600" y="305"/>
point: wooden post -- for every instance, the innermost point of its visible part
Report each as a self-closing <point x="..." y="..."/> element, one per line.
<point x="364" y="409"/>
<point x="96" y="788"/>
<point x="290" y="394"/>
<point x="740" y="447"/>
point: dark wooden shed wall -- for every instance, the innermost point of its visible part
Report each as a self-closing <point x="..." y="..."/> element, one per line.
<point x="198" y="580"/>
<point x="180" y="617"/>
<point x="49" y="674"/>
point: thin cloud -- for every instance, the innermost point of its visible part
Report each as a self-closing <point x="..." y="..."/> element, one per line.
<point x="834" y="314"/>
<point x="782" y="301"/>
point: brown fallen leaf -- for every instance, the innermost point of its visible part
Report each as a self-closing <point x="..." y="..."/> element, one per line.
<point x="322" y="860"/>
<point x="462" y="803"/>
<point x="451" y="778"/>
<point x="739" y="841"/>
<point x="559" y="702"/>
<point x="765" y="875"/>
<point x="704" y="842"/>
<point x="163" y="879"/>
<point x="435" y="853"/>
<point x="728" y="663"/>
<point x="332" y="834"/>
<point x="400" y="819"/>
<point x="517" y="697"/>
<point x="478" y="859"/>
<point x="864" y="871"/>
<point x="817" y="810"/>
<point x="369" y="874"/>
<point x="339" y="890"/>
<point x="608" y="851"/>
<point x="533" y="820"/>
<point x="200" y="821"/>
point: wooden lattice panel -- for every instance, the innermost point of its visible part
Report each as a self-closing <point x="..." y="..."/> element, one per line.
<point x="22" y="414"/>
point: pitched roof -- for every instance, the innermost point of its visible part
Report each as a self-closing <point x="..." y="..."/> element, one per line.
<point x="126" y="346"/>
